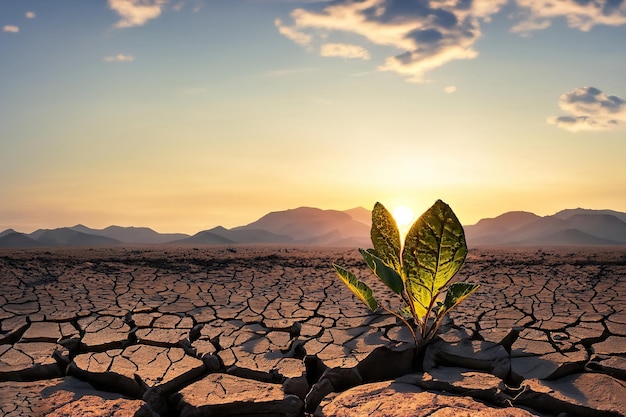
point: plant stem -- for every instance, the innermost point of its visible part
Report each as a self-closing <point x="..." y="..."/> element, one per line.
<point x="405" y="322"/>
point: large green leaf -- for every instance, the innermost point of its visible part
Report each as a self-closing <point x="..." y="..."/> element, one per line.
<point x="420" y="297"/>
<point x="456" y="293"/>
<point x="388" y="275"/>
<point x="358" y="287"/>
<point x="385" y="236"/>
<point x="434" y="251"/>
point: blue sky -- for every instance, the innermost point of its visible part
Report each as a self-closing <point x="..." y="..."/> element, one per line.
<point x="184" y="115"/>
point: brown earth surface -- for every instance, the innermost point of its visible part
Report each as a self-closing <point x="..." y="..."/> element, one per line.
<point x="270" y="331"/>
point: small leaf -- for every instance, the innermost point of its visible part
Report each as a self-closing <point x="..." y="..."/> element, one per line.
<point x="457" y="292"/>
<point x="405" y="312"/>
<point x="434" y="249"/>
<point x="359" y="288"/>
<point x="385" y="236"/>
<point x="389" y="276"/>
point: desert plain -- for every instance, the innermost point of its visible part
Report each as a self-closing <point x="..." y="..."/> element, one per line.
<point x="271" y="331"/>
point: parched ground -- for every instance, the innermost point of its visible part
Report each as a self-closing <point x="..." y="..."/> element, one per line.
<point x="202" y="329"/>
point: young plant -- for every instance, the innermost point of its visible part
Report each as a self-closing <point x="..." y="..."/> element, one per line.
<point x="419" y="272"/>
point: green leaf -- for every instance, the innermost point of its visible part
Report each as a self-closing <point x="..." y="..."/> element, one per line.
<point x="389" y="276"/>
<point x="420" y="296"/>
<point x="457" y="292"/>
<point x="385" y="236"/>
<point x="358" y="287"/>
<point x="434" y="251"/>
<point x="405" y="312"/>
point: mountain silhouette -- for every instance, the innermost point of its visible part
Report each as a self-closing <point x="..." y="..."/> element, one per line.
<point x="131" y="234"/>
<point x="221" y="235"/>
<point x="246" y="235"/>
<point x="7" y="232"/>
<point x="492" y="231"/>
<point x="349" y="228"/>
<point x="301" y="226"/>
<point x="205" y="237"/>
<point x="17" y="240"/>
<point x="305" y="223"/>
<point x="67" y="237"/>
<point x="566" y="228"/>
<point x="565" y="214"/>
<point x="567" y="237"/>
<point x="360" y="214"/>
<point x="607" y="226"/>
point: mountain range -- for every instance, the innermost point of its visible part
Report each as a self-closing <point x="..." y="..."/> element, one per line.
<point x="349" y="228"/>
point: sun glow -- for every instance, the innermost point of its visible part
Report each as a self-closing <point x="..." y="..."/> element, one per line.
<point x="404" y="217"/>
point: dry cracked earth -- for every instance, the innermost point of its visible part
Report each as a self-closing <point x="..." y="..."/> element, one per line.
<point x="271" y="332"/>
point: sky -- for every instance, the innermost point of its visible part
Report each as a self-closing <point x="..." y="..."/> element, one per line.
<point x="181" y="115"/>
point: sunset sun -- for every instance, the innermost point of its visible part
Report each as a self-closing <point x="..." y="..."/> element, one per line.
<point x="404" y="216"/>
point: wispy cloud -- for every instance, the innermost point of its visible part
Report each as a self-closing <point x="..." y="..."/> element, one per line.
<point x="119" y="58"/>
<point x="583" y="15"/>
<point x="30" y="15"/>
<point x="590" y="109"/>
<point x="293" y="33"/>
<point x="344" y="50"/>
<point x="11" y="29"/>
<point x="450" y="89"/>
<point x="431" y="33"/>
<point x="136" y="12"/>
<point x="288" y="71"/>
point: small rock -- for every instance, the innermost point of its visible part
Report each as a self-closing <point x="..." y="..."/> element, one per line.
<point x="91" y="405"/>
<point x="297" y="386"/>
<point x="586" y="394"/>
<point x="551" y="366"/>
<point x="397" y="399"/>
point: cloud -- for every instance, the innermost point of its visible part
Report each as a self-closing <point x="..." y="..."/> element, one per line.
<point x="11" y="29"/>
<point x="289" y="71"/>
<point x="428" y="34"/>
<point x="590" y="109"/>
<point x="344" y="50"/>
<point x="30" y="15"/>
<point x="119" y="58"/>
<point x="450" y="89"/>
<point x="579" y="14"/>
<point x="136" y="12"/>
<point x="293" y="33"/>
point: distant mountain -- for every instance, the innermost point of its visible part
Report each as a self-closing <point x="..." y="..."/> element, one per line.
<point x="67" y="237"/>
<point x="302" y="226"/>
<point x="565" y="214"/>
<point x="335" y="239"/>
<point x="565" y="228"/>
<point x="7" y="232"/>
<point x="37" y="233"/>
<point x="204" y="238"/>
<point x="17" y="240"/>
<point x="360" y="214"/>
<point x="493" y="230"/>
<point x="251" y="235"/>
<point x="131" y="234"/>
<point x="222" y="236"/>
<point x="349" y="228"/>
<point x="306" y="224"/>
<point x="567" y="237"/>
<point x="606" y="226"/>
